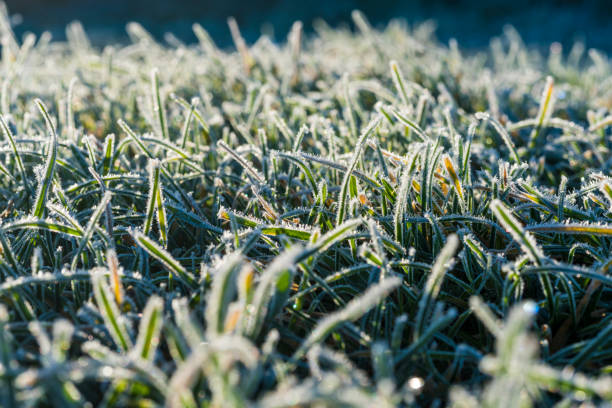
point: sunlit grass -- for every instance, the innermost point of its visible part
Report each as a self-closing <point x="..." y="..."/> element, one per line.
<point x="326" y="221"/>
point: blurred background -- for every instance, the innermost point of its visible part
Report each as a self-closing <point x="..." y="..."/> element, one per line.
<point x="471" y="22"/>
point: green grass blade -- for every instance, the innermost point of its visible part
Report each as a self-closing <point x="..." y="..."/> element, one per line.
<point x="159" y="253"/>
<point x="49" y="169"/>
<point x="149" y="329"/>
<point x="513" y="226"/>
<point x="113" y="320"/>
<point x="353" y="310"/>
<point x="340" y="215"/>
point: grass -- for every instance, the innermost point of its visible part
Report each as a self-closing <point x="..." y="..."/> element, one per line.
<point x="365" y="218"/>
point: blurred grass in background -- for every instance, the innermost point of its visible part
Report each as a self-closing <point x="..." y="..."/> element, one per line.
<point x="472" y="22"/>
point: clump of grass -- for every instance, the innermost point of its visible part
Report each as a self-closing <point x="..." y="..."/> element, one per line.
<point x="326" y="221"/>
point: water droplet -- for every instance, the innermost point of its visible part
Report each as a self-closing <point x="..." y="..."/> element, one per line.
<point x="531" y="308"/>
<point x="416" y="383"/>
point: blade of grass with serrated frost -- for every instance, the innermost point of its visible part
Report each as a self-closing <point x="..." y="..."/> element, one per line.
<point x="472" y="244"/>
<point x="170" y="147"/>
<point x="149" y="329"/>
<point x="41" y="224"/>
<point x="108" y="211"/>
<point x="450" y="169"/>
<point x="606" y="189"/>
<point x="193" y="219"/>
<point x="502" y="132"/>
<point x="134" y="138"/>
<point x="411" y="124"/>
<point x="193" y="110"/>
<point x="189" y="201"/>
<point x="527" y="243"/>
<point x="332" y="237"/>
<point x="43" y="279"/>
<point x="572" y="229"/>
<point x="297" y="145"/>
<point x="159" y="253"/>
<point x="569" y="270"/>
<point x="304" y="166"/>
<point x="90" y="228"/>
<point x="245" y="165"/>
<point x="546" y="106"/>
<point x="335" y="165"/>
<point x="269" y="212"/>
<point x="352" y="311"/>
<point x="514" y="227"/>
<point x="275" y="230"/>
<point x="401" y="202"/>
<point x="49" y="170"/>
<point x="428" y="166"/>
<point x="222" y="292"/>
<point x="88" y="140"/>
<point x="353" y="163"/>
<point x="161" y="215"/>
<point x="109" y="150"/>
<point x="110" y="312"/>
<point x="154" y="185"/>
<point x="434" y="283"/>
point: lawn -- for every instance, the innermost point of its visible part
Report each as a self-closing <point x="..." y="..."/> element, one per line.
<point x="345" y="218"/>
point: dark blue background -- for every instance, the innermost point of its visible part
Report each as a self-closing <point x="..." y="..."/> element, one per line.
<point x="472" y="22"/>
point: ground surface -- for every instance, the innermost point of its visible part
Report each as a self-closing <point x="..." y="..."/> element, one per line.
<point x="359" y="218"/>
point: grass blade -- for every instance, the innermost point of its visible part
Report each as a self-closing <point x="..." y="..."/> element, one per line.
<point x="353" y="310"/>
<point x="434" y="283"/>
<point x="353" y="163"/>
<point x="149" y="329"/>
<point x="113" y="320"/>
<point x="49" y="169"/>
<point x="159" y="253"/>
<point x="513" y="226"/>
